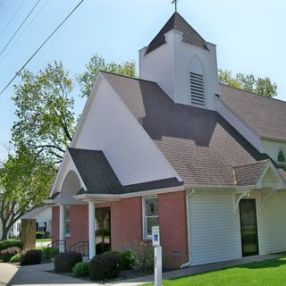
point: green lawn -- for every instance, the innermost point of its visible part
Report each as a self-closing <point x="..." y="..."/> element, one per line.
<point x="266" y="273"/>
<point x="43" y="240"/>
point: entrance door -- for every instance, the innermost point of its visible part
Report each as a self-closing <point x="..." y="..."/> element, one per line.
<point x="103" y="230"/>
<point x="248" y="226"/>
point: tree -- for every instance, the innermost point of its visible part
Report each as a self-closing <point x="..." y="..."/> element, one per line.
<point x="25" y="180"/>
<point x="97" y="63"/>
<point x="248" y="82"/>
<point x="44" y="108"/>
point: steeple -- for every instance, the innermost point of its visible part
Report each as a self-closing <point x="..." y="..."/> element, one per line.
<point x="178" y="23"/>
<point x="182" y="63"/>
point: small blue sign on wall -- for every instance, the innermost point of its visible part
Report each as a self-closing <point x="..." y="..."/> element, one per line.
<point x="155" y="236"/>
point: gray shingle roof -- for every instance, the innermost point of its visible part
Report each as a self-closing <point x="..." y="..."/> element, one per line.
<point x="248" y="175"/>
<point x="265" y="116"/>
<point x="201" y="146"/>
<point x="99" y="177"/>
<point x="177" y="22"/>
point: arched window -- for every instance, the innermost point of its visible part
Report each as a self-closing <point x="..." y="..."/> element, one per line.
<point x="281" y="157"/>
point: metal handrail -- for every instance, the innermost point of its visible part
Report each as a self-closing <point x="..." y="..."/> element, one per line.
<point x="81" y="247"/>
<point x="57" y="243"/>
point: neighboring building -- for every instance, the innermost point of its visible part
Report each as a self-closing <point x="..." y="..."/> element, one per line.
<point x="175" y="148"/>
<point x="43" y="217"/>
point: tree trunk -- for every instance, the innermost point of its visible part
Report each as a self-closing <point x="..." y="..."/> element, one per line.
<point x="4" y="233"/>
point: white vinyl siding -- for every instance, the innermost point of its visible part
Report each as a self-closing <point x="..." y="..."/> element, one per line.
<point x="272" y="224"/>
<point x="134" y="157"/>
<point x="214" y="229"/>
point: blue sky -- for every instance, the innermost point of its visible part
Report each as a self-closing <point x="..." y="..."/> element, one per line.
<point x="250" y="37"/>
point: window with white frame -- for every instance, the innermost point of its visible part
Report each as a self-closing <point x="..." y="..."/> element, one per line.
<point x="150" y="215"/>
<point x="67" y="221"/>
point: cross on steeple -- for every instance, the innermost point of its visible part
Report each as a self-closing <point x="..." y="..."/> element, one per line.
<point x="175" y="2"/>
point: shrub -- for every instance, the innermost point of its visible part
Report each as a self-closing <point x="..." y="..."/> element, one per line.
<point x="40" y="234"/>
<point x="127" y="260"/>
<point x="47" y="234"/>
<point x="144" y="257"/>
<point x="5" y="244"/>
<point x="7" y="254"/>
<point x="104" y="266"/>
<point x="30" y="257"/>
<point x="81" y="269"/>
<point x="16" y="258"/>
<point x="49" y="253"/>
<point x="64" y="262"/>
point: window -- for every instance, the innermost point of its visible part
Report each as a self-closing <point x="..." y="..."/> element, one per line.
<point x="67" y="221"/>
<point x="150" y="216"/>
<point x="197" y="88"/>
<point x="281" y="157"/>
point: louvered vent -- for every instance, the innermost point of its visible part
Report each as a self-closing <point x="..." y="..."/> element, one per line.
<point x="197" y="88"/>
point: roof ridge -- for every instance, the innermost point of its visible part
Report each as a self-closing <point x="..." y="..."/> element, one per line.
<point x="251" y="93"/>
<point x="126" y="76"/>
<point x="177" y="13"/>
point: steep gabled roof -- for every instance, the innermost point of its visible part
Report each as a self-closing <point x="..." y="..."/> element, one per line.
<point x="99" y="177"/>
<point x="265" y="116"/>
<point x="201" y="146"/>
<point x="177" y="22"/>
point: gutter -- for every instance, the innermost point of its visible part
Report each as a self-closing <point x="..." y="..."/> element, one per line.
<point x="189" y="262"/>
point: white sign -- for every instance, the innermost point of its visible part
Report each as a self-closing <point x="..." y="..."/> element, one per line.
<point x="157" y="256"/>
<point x="155" y="236"/>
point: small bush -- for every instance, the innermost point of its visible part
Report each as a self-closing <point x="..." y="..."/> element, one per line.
<point x="127" y="260"/>
<point x="30" y="257"/>
<point x="104" y="266"/>
<point x="81" y="269"/>
<point x="144" y="257"/>
<point x="40" y="234"/>
<point x="5" y="244"/>
<point x="6" y="255"/>
<point x="47" y="234"/>
<point x="16" y="258"/>
<point x="64" y="262"/>
<point x="49" y="253"/>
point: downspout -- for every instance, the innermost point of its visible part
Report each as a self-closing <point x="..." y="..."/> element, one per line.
<point x="188" y="195"/>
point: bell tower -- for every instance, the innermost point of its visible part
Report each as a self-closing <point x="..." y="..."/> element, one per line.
<point x="182" y="63"/>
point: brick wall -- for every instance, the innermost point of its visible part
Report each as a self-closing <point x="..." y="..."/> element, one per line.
<point x="126" y="225"/>
<point x="79" y="224"/>
<point x="173" y="229"/>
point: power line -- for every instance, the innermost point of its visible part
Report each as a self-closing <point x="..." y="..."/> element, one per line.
<point x="18" y="29"/>
<point x="40" y="47"/>
<point x="12" y="18"/>
<point x="23" y="31"/>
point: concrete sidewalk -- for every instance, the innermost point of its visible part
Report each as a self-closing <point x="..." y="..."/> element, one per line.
<point x="38" y="274"/>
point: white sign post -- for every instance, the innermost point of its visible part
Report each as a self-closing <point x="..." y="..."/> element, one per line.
<point x="157" y="256"/>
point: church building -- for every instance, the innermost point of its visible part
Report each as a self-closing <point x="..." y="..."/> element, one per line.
<point x="174" y="148"/>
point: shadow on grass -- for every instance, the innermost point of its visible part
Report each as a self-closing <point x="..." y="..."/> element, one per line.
<point x="271" y="263"/>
